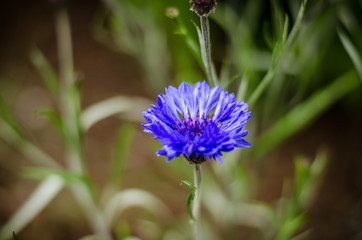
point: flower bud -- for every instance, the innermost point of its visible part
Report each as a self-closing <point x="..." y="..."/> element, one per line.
<point x="203" y="7"/>
<point x="172" y="13"/>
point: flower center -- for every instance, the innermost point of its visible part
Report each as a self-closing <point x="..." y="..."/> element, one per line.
<point x="195" y="127"/>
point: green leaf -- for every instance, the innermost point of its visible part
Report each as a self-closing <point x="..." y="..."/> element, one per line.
<point x="54" y="118"/>
<point x="297" y="25"/>
<point x="106" y="108"/>
<point x="285" y="29"/>
<point x="14" y="236"/>
<point x="201" y="42"/>
<point x="291" y="226"/>
<point x="190" y="42"/>
<point x="191" y="198"/>
<point x="312" y="182"/>
<point x="122" y="151"/>
<point x="49" y="76"/>
<point x="66" y="176"/>
<point x="351" y="50"/>
<point x="32" y="206"/>
<point x="231" y="80"/>
<point x="302" y="174"/>
<point x="278" y="18"/>
<point x="9" y="119"/>
<point x="279" y="47"/>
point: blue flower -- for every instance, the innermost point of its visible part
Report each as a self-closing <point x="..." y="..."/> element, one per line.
<point x="198" y="122"/>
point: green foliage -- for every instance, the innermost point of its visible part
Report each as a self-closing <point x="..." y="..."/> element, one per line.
<point x="281" y="46"/>
<point x="305" y="113"/>
<point x="307" y="178"/>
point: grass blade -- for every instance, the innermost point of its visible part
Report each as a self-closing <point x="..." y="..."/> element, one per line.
<point x="40" y="198"/>
<point x="54" y="119"/>
<point x="352" y="51"/>
<point x="15" y="237"/>
<point x="48" y="75"/>
<point x="9" y="119"/>
<point x="104" y="109"/>
<point x="66" y="176"/>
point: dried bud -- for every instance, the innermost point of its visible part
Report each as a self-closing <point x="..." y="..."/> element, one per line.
<point x="203" y="7"/>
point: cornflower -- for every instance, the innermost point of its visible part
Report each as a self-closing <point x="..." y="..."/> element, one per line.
<point x="197" y="122"/>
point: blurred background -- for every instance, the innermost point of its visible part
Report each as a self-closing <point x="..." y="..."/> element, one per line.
<point x="300" y="180"/>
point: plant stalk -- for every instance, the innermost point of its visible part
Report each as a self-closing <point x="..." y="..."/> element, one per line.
<point x="197" y="201"/>
<point x="69" y="105"/>
<point x="206" y="50"/>
<point x="70" y="110"/>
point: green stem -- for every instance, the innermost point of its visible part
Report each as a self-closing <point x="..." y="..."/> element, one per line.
<point x="69" y="105"/>
<point x="206" y="50"/>
<point x="197" y="201"/>
<point x="70" y="109"/>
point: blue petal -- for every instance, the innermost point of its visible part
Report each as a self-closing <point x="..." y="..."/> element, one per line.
<point x="213" y="98"/>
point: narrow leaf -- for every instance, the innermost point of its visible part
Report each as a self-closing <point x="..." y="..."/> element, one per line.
<point x="9" y="119"/>
<point x="279" y="47"/>
<point x="190" y="42"/>
<point x="352" y="51"/>
<point x="190" y="200"/>
<point x="33" y="205"/>
<point x="66" y="176"/>
<point x="46" y="71"/>
<point x="278" y="52"/>
<point x="122" y="151"/>
<point x="14" y="236"/>
<point x="54" y="118"/>
<point x="201" y="42"/>
<point x="291" y="226"/>
<point x="231" y="80"/>
<point x="285" y="28"/>
<point x="106" y="108"/>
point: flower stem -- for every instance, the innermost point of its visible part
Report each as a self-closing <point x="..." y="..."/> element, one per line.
<point x="197" y="200"/>
<point x="206" y="50"/>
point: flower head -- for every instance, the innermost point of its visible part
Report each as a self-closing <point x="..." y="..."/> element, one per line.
<point x="198" y="122"/>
